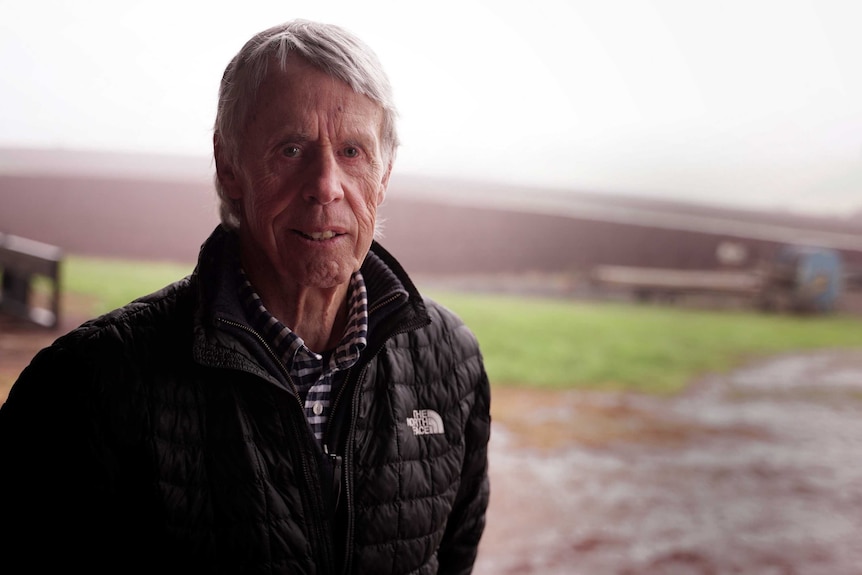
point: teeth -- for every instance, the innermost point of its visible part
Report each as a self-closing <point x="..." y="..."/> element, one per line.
<point x="322" y="235"/>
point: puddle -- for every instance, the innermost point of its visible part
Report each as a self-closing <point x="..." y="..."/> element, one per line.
<point x="829" y="369"/>
<point x="757" y="471"/>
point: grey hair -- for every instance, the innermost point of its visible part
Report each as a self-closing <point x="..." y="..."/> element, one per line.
<point x="330" y="48"/>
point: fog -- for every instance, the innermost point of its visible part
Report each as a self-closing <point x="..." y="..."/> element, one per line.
<point x="747" y="103"/>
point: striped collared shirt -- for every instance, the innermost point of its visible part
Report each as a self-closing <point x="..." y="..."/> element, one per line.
<point x="314" y="375"/>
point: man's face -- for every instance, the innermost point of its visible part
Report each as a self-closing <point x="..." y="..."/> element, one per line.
<point x="309" y="177"/>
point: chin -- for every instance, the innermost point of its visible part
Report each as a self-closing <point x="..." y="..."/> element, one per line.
<point x="327" y="275"/>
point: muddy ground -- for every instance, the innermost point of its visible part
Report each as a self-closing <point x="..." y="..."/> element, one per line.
<point x="754" y="472"/>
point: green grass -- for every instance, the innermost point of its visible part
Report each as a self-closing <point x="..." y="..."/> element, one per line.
<point x="557" y="343"/>
<point x="109" y="283"/>
<point x="566" y="344"/>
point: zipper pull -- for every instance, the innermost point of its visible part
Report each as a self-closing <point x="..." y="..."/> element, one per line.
<point x="336" y="462"/>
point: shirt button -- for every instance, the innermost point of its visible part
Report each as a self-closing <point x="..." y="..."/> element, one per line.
<point x="317" y="408"/>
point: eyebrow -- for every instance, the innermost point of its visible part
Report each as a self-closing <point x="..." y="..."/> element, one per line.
<point x="299" y="137"/>
<point x="354" y="137"/>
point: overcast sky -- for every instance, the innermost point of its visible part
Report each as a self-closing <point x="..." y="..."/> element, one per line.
<point x="748" y="102"/>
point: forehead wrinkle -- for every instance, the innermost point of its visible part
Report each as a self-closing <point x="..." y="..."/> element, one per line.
<point x="348" y="116"/>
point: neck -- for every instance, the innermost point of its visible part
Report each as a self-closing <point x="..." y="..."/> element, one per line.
<point x="317" y="315"/>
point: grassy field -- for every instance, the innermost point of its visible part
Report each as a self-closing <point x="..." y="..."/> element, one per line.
<point x="109" y="284"/>
<point x="558" y="343"/>
<point x="561" y="344"/>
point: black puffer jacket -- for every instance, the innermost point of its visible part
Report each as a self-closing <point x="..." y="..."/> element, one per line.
<point x="162" y="438"/>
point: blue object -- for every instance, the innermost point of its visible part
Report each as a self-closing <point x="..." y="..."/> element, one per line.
<point x="818" y="276"/>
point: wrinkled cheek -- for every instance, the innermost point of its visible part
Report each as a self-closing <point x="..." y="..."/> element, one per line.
<point x="263" y="210"/>
<point x="261" y="191"/>
<point x="366" y="222"/>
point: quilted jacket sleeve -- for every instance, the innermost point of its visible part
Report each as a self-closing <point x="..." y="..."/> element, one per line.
<point x="52" y="487"/>
<point x="459" y="547"/>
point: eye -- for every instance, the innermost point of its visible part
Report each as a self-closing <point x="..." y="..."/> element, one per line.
<point x="290" y="151"/>
<point x="351" y="151"/>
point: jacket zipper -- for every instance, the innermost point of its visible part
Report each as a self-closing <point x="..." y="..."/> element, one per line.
<point x="351" y="433"/>
<point x="342" y="465"/>
<point x="318" y="529"/>
<point x="379" y="305"/>
<point x="271" y="353"/>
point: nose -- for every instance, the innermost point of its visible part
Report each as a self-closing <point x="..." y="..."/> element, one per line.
<point x="323" y="185"/>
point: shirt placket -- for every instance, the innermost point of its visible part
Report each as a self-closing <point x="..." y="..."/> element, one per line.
<point x="317" y="403"/>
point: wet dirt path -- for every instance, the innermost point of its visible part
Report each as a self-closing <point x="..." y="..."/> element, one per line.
<point x="755" y="472"/>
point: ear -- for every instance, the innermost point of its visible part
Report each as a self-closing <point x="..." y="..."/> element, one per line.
<point x="225" y="170"/>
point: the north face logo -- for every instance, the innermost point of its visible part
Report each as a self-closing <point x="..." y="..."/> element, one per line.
<point x="425" y="422"/>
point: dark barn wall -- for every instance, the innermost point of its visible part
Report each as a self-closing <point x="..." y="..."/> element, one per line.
<point x="169" y="219"/>
<point x="435" y="238"/>
<point x="166" y="220"/>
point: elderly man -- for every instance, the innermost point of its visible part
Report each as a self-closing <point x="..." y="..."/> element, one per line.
<point x="293" y="406"/>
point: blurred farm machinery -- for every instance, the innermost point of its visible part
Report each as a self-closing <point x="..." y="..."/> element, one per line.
<point x="800" y="279"/>
<point x="23" y="262"/>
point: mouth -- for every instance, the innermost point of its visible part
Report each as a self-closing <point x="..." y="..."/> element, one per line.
<point x="318" y="236"/>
